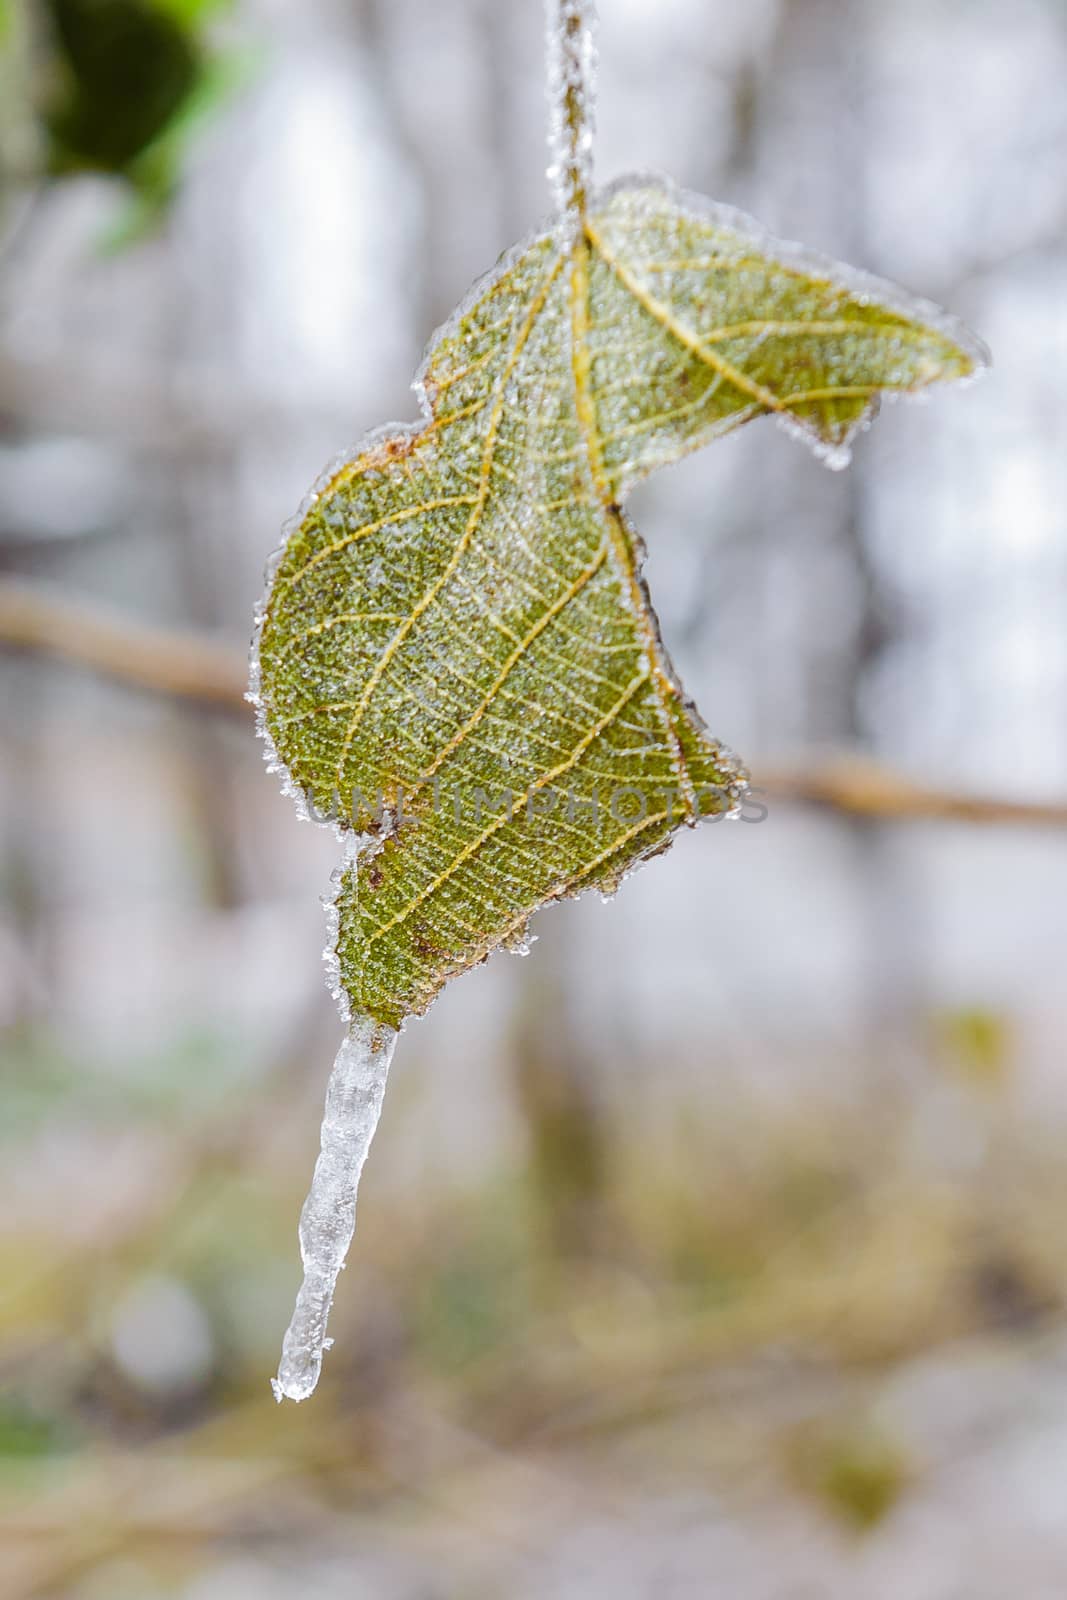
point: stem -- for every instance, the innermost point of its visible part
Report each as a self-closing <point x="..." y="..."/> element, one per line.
<point x="571" y="94"/>
<point x="180" y="666"/>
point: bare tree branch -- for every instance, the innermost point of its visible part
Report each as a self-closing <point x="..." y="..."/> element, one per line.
<point x="183" y="666"/>
<point x="865" y="788"/>
<point x="211" y="675"/>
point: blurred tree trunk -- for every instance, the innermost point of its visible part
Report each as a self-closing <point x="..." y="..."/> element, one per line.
<point x="554" y="1086"/>
<point x="814" y="150"/>
<point x="204" y="564"/>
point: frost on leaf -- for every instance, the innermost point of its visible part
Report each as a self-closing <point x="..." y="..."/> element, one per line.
<point x="458" y="663"/>
<point x="459" y="618"/>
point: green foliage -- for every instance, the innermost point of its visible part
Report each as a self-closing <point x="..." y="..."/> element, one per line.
<point x="855" y="1468"/>
<point x="458" y="627"/>
<point x="26" y="1434"/>
<point x="129" y="67"/>
<point x="978" y="1044"/>
<point x="155" y="175"/>
<point x="122" y="87"/>
<point x="191" y="12"/>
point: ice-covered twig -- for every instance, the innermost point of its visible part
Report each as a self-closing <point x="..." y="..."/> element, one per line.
<point x="327" y="1222"/>
<point x="571" y="56"/>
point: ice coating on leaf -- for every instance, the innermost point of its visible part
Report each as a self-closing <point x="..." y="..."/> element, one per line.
<point x="728" y="323"/>
<point x="458" y="664"/>
<point x="458" y="653"/>
<point x="353" y="1106"/>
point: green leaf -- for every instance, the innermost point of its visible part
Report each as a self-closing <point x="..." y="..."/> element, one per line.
<point x="193" y="11"/>
<point x="459" y="614"/>
<point x="128" y="69"/>
<point x="155" y="174"/>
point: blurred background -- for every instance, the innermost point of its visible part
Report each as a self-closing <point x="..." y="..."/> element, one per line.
<point x="718" y="1247"/>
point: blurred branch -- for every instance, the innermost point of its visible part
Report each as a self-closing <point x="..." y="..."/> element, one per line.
<point x="865" y="788"/>
<point x="183" y="666"/>
<point x="190" y="667"/>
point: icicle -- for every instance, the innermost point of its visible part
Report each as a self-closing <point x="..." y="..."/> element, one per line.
<point x="571" y="55"/>
<point x="327" y="1222"/>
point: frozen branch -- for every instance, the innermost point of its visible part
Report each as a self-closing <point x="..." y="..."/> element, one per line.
<point x="571" y="56"/>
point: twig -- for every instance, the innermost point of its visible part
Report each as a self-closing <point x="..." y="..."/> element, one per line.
<point x="866" y="788"/>
<point x="182" y="666"/>
<point x="213" y="676"/>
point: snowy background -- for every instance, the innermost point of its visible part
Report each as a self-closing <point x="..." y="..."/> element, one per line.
<point x="718" y="1247"/>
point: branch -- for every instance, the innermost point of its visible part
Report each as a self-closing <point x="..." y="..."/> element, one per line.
<point x="180" y="665"/>
<point x="864" y="788"/>
<point x="210" y="675"/>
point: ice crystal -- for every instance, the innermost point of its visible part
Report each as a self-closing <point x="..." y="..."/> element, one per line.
<point x="353" y="1106"/>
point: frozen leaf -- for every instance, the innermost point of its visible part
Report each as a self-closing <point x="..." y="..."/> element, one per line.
<point x="458" y="663"/>
<point x="458" y="618"/>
